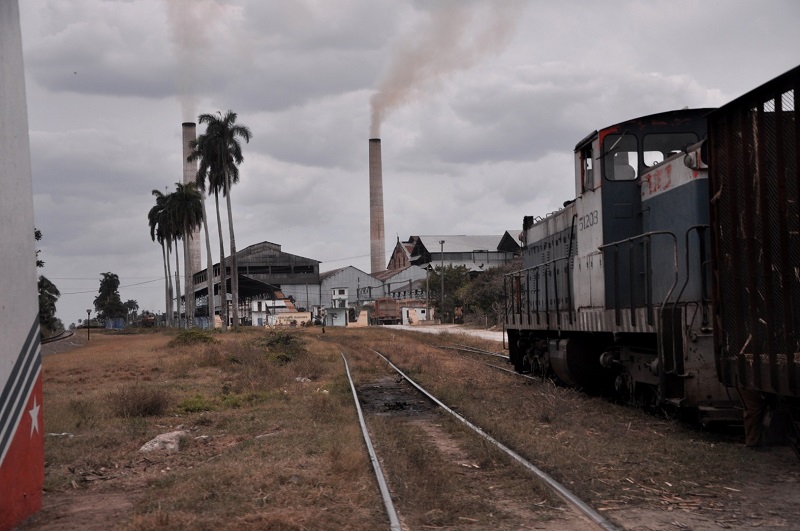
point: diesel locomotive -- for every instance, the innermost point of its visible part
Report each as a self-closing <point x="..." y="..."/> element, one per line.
<point x="673" y="277"/>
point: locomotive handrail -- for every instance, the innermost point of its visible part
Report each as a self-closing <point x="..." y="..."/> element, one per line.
<point x="631" y="240"/>
<point x="527" y="270"/>
<point x="703" y="281"/>
<point x="677" y="361"/>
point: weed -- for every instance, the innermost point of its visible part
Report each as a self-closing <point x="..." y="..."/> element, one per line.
<point x="233" y="401"/>
<point x="85" y="413"/>
<point x="192" y="336"/>
<point x="195" y="404"/>
<point x="138" y="400"/>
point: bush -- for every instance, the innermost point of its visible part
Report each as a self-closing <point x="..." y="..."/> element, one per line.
<point x="138" y="400"/>
<point x="281" y="346"/>
<point x="195" y="404"/>
<point x="192" y="336"/>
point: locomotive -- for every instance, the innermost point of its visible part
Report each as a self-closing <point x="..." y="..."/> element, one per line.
<point x="673" y="277"/>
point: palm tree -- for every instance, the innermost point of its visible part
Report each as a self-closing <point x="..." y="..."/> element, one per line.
<point x="221" y="147"/>
<point x="201" y="152"/>
<point x="184" y="209"/>
<point x="160" y="231"/>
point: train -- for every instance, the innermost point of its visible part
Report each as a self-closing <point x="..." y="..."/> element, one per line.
<point x="672" y="279"/>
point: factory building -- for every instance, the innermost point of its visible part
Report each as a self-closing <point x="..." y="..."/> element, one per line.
<point x="266" y="273"/>
<point x="476" y="253"/>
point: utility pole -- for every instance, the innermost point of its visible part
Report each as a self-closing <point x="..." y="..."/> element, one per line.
<point x="441" y="255"/>
<point x="427" y="292"/>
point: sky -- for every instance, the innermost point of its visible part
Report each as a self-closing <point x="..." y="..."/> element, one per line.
<point x="478" y="105"/>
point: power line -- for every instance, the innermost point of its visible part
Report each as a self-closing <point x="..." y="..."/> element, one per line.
<point x="125" y="286"/>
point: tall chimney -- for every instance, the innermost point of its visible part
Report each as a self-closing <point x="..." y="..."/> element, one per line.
<point x="189" y="175"/>
<point x="377" y="245"/>
<point x="191" y="257"/>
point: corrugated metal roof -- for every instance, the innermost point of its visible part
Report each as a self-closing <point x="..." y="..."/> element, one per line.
<point x="328" y="274"/>
<point x="461" y="243"/>
<point x="387" y="274"/>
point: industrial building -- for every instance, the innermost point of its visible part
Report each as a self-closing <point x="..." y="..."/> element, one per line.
<point x="273" y="282"/>
<point x="476" y="253"/>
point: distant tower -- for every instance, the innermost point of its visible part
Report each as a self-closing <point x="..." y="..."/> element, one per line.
<point x="189" y="174"/>
<point x="377" y="245"/>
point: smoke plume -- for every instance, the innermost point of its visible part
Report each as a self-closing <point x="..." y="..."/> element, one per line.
<point x="191" y="24"/>
<point x="458" y="37"/>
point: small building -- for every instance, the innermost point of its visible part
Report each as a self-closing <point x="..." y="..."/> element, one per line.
<point x="347" y="286"/>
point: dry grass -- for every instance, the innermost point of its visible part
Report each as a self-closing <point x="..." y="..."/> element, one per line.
<point x="599" y="450"/>
<point x="273" y="441"/>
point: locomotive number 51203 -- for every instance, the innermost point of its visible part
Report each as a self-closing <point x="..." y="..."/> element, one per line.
<point x="588" y="220"/>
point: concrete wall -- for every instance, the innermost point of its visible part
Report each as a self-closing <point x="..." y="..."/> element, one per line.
<point x="21" y="416"/>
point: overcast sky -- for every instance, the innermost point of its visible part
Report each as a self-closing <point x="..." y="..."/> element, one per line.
<point x="479" y="106"/>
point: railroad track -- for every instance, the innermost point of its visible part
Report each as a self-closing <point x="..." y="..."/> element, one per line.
<point x="469" y="351"/>
<point x="64" y="334"/>
<point x="587" y="514"/>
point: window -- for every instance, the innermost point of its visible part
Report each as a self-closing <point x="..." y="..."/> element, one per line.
<point x="587" y="174"/>
<point x="660" y="146"/>
<point x="620" y="157"/>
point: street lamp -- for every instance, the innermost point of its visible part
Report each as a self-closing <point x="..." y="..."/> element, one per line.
<point x="89" y="311"/>
<point x="441" y="243"/>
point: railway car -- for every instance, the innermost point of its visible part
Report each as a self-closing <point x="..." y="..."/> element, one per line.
<point x="673" y="277"/>
<point x="386" y="311"/>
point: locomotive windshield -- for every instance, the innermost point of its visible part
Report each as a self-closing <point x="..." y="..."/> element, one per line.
<point x="659" y="146"/>
<point x="621" y="161"/>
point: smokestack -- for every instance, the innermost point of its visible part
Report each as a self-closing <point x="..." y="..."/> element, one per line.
<point x="189" y="175"/>
<point x="377" y="245"/>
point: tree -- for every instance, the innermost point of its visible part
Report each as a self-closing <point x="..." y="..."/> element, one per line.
<point x="221" y="152"/>
<point x="203" y="175"/>
<point x="108" y="303"/>
<point x="48" y="295"/>
<point x="131" y="305"/>
<point x="454" y="278"/>
<point x="37" y="235"/>
<point x="185" y="212"/>
<point x="483" y="296"/>
<point x="161" y="231"/>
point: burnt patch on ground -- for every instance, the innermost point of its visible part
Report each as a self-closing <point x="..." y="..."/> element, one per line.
<point x="394" y="396"/>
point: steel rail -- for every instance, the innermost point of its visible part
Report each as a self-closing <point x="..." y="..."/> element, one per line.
<point x="64" y="334"/>
<point x="509" y="371"/>
<point x="560" y="489"/>
<point x="467" y="348"/>
<point x="394" y="522"/>
<point x="472" y="350"/>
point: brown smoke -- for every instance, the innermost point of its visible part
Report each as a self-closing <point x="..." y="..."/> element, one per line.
<point x="450" y="44"/>
<point x="191" y="24"/>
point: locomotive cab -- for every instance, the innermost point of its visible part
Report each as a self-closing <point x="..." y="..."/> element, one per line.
<point x="614" y="290"/>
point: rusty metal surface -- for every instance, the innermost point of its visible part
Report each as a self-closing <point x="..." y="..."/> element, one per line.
<point x="754" y="188"/>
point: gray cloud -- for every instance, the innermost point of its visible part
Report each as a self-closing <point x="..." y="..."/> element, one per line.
<point x="486" y="138"/>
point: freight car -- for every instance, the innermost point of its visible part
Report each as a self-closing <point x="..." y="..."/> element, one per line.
<point x="673" y="277"/>
<point x="386" y="311"/>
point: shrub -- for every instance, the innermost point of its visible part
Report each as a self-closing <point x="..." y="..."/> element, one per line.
<point x="138" y="400"/>
<point x="195" y="404"/>
<point x="192" y="336"/>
